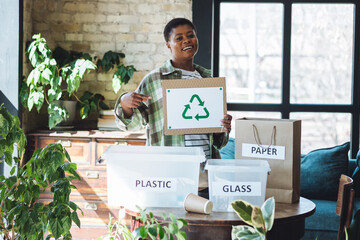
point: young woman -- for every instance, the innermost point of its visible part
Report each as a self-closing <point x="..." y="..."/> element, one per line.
<point x="144" y="106"/>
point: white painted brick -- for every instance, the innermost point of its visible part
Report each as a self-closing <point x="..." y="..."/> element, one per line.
<point x="103" y="45"/>
<point x="59" y="17"/>
<point x="70" y="6"/>
<point x="140" y="47"/>
<point x="128" y="37"/>
<point x="141" y="37"/>
<point x="96" y="37"/>
<point x="156" y="38"/>
<point x="112" y="7"/>
<point x="90" y="27"/>
<point x="110" y="96"/>
<point x="89" y="18"/>
<point x="103" y="77"/>
<point x="154" y="19"/>
<point x="73" y="37"/>
<point x="130" y="19"/>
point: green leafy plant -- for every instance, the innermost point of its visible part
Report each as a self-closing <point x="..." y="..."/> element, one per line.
<point x="122" y="74"/>
<point x="91" y="102"/>
<point x="45" y="81"/>
<point x="260" y="220"/>
<point x="22" y="215"/>
<point x="169" y="228"/>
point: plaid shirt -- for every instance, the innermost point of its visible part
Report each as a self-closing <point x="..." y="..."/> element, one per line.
<point x="150" y="113"/>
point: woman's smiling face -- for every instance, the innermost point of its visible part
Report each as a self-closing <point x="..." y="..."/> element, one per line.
<point x="183" y="43"/>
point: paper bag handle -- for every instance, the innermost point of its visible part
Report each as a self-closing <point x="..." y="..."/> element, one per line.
<point x="257" y="138"/>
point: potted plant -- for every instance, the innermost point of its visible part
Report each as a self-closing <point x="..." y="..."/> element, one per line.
<point x="22" y="215"/>
<point x="259" y="219"/>
<point x="57" y="75"/>
<point x="49" y="81"/>
<point x="151" y="228"/>
<point x="123" y="73"/>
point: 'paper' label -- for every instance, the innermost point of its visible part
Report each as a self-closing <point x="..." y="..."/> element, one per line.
<point x="263" y="151"/>
<point x="154" y="184"/>
<point x="236" y="188"/>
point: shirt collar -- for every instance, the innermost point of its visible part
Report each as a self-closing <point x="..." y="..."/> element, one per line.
<point x="167" y="69"/>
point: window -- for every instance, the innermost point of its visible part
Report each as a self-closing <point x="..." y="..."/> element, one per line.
<point x="292" y="59"/>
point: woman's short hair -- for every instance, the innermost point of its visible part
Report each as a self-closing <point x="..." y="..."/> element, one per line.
<point x="175" y="23"/>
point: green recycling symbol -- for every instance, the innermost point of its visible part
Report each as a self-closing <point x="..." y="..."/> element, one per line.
<point x="197" y="116"/>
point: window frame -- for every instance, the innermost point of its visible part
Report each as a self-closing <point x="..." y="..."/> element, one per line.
<point x="208" y="11"/>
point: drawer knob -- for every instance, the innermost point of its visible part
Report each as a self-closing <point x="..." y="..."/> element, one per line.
<point x="65" y="143"/>
<point x="92" y="174"/>
<point x="91" y="206"/>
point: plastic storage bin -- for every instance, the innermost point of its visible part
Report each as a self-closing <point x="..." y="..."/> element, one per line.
<point x="233" y="179"/>
<point x="150" y="176"/>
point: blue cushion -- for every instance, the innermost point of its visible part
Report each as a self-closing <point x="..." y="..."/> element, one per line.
<point x="325" y="217"/>
<point x="228" y="152"/>
<point x="321" y="170"/>
<point x="356" y="175"/>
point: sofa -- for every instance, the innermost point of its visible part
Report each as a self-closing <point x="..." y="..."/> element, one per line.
<point x="320" y="174"/>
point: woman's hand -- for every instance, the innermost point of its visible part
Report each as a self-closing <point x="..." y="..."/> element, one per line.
<point x="132" y="100"/>
<point x="226" y="122"/>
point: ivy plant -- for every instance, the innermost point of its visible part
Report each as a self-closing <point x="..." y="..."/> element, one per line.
<point x="45" y="81"/>
<point x="122" y="74"/>
<point x="259" y="220"/>
<point x="23" y="216"/>
<point x="169" y="228"/>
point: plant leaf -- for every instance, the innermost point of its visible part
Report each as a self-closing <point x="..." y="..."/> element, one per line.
<point x="244" y="210"/>
<point x="257" y="217"/>
<point x="244" y="232"/>
<point x="268" y="211"/>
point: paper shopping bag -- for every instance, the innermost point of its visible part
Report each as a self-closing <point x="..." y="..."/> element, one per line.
<point x="278" y="141"/>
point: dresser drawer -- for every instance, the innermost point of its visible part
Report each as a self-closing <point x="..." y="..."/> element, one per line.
<point x="103" y="144"/>
<point x="78" y="149"/>
<point x="92" y="182"/>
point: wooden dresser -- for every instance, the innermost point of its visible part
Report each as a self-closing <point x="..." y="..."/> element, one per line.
<point x="85" y="149"/>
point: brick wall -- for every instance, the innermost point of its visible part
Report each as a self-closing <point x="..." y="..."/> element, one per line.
<point x="133" y="27"/>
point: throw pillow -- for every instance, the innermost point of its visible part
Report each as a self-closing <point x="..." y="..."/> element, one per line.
<point x="321" y="170"/>
<point x="228" y="151"/>
<point x="356" y="175"/>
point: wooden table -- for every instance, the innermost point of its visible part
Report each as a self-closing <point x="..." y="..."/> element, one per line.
<point x="289" y="221"/>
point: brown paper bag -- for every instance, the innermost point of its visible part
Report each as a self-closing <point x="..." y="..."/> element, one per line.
<point x="278" y="141"/>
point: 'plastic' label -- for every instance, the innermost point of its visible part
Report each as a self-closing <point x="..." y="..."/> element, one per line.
<point x="154" y="184"/>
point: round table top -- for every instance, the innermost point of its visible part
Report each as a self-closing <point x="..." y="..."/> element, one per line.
<point x="283" y="212"/>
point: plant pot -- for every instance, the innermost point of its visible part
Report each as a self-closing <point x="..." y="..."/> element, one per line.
<point x="70" y="107"/>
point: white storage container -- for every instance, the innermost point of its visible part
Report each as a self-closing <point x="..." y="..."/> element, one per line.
<point x="233" y="179"/>
<point x="150" y="176"/>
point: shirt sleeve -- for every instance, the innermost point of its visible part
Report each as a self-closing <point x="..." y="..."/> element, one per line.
<point x="135" y="122"/>
<point x="220" y="140"/>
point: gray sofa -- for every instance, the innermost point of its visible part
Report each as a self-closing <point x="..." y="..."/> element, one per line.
<point x="320" y="173"/>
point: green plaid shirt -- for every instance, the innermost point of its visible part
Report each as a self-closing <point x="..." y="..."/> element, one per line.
<point x="150" y="113"/>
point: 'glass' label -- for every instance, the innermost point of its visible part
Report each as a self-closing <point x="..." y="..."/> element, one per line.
<point x="263" y="151"/>
<point x="154" y="184"/>
<point x="236" y="188"/>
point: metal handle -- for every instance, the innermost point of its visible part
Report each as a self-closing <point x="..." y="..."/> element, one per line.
<point x="121" y="143"/>
<point x="90" y="206"/>
<point x="92" y="174"/>
<point x="66" y="143"/>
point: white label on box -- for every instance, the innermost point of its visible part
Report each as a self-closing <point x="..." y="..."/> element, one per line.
<point x="194" y="107"/>
<point x="236" y="188"/>
<point x="272" y="152"/>
<point x="154" y="184"/>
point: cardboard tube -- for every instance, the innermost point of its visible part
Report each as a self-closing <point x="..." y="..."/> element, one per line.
<point x="197" y="204"/>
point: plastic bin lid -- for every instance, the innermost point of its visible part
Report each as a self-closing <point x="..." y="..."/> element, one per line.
<point x="237" y="164"/>
<point x="154" y="152"/>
